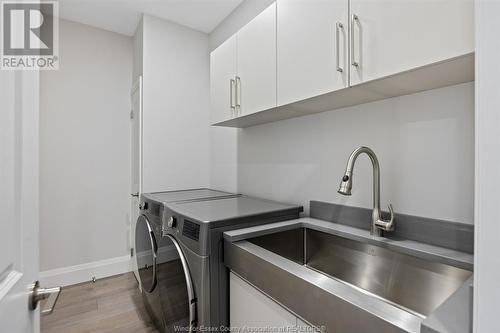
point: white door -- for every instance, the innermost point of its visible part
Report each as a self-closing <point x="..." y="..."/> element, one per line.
<point x="256" y="79"/>
<point x="390" y="36"/>
<point x="136" y="161"/>
<point x="312" y="48"/>
<point x="19" y="92"/>
<point x="222" y="81"/>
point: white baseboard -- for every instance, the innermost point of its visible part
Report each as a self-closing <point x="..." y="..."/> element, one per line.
<point x="66" y="276"/>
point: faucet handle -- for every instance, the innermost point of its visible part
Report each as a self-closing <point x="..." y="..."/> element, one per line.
<point x="387" y="225"/>
<point x="391" y="211"/>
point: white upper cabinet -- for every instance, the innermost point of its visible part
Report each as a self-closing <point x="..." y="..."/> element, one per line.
<point x="256" y="79"/>
<point x="312" y="43"/>
<point x="391" y="36"/>
<point x="299" y="57"/>
<point x="223" y="81"/>
<point x="243" y="70"/>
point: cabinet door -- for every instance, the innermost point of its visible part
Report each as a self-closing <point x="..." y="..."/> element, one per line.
<point x="257" y="63"/>
<point x="391" y="36"/>
<point x="307" y="48"/>
<point x="222" y="84"/>
<point x="248" y="307"/>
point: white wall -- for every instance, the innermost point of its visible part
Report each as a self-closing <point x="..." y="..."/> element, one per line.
<point x="487" y="260"/>
<point x="425" y="144"/>
<point x="84" y="148"/>
<point x="85" y="138"/>
<point x="176" y="106"/>
<point x="137" y="68"/>
<point x="223" y="159"/>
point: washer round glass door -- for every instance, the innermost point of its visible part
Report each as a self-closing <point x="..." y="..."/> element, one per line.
<point x="146" y="253"/>
<point x="176" y="288"/>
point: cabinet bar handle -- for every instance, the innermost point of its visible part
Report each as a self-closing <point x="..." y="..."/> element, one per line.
<point x="238" y="92"/>
<point x="354" y="18"/>
<point x="231" y="93"/>
<point x="338" y="26"/>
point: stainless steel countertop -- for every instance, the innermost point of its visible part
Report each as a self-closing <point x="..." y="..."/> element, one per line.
<point x="421" y="250"/>
<point x="378" y="308"/>
<point x="454" y="315"/>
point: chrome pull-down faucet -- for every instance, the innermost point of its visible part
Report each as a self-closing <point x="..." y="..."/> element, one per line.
<point x="378" y="225"/>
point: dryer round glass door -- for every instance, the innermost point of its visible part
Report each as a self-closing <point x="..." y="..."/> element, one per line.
<point x="176" y="288"/>
<point x="146" y="252"/>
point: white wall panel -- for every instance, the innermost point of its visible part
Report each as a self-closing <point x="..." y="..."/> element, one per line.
<point x="487" y="208"/>
<point x="424" y="142"/>
<point x="85" y="148"/>
<point x="176" y="106"/>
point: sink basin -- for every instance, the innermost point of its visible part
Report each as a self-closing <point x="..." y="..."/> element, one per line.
<point x="413" y="284"/>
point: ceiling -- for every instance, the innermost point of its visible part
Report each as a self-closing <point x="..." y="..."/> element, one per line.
<point x="122" y="16"/>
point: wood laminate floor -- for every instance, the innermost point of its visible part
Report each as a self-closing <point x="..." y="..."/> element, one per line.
<point x="111" y="305"/>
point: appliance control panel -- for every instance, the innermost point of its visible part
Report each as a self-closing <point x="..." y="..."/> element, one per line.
<point x="168" y="223"/>
<point x="172" y="222"/>
<point x="152" y="208"/>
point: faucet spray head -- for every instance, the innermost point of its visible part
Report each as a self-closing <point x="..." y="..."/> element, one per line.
<point x="346" y="184"/>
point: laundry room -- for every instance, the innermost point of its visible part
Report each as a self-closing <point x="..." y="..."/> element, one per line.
<point x="249" y="166"/>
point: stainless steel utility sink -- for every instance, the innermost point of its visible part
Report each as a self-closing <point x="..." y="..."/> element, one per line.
<point x="413" y="284"/>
